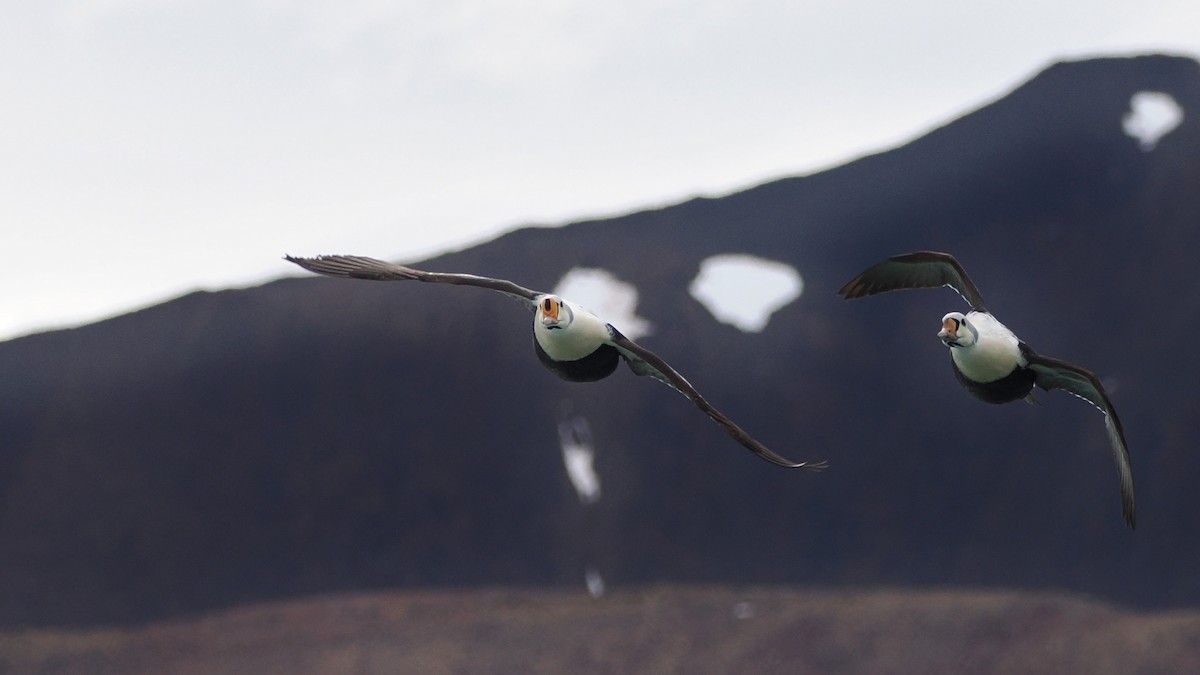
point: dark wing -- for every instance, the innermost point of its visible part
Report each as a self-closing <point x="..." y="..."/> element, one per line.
<point x="1055" y="374"/>
<point x="645" y="362"/>
<point x="358" y="267"/>
<point x="923" y="269"/>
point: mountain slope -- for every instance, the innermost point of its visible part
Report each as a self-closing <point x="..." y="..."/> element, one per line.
<point x="314" y="435"/>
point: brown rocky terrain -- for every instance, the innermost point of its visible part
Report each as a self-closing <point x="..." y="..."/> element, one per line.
<point x="657" y="629"/>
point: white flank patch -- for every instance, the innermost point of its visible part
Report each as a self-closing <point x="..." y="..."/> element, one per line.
<point x="578" y="456"/>
<point x="608" y="297"/>
<point x="1152" y="115"/>
<point x="744" y="290"/>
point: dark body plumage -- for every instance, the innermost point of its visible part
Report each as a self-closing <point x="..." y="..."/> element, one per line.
<point x="1012" y="387"/>
<point x="591" y="368"/>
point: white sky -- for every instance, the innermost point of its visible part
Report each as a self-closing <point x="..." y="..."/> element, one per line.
<point x="152" y="147"/>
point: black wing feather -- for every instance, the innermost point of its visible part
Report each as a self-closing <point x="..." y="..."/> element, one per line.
<point x="922" y="269"/>
<point x="1053" y="374"/>
<point x="645" y="362"/>
<point x="359" y="267"/>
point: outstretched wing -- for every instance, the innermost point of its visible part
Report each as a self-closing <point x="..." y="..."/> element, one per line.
<point x="923" y="269"/>
<point x="645" y="362"/>
<point x="1055" y="374"/>
<point x="358" y="267"/>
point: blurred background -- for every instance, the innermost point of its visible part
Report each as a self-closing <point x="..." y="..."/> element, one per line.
<point x="200" y="447"/>
<point x="159" y="146"/>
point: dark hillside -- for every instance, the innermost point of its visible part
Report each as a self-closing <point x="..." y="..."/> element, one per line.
<point x="314" y="435"/>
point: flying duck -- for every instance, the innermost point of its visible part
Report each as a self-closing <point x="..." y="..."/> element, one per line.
<point x="988" y="359"/>
<point x="569" y="340"/>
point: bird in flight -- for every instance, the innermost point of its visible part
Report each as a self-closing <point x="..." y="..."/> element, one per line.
<point x="988" y="359"/>
<point x="569" y="340"/>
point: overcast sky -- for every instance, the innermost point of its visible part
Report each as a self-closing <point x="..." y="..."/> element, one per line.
<point x="149" y="148"/>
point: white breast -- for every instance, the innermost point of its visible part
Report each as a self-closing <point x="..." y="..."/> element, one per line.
<point x="995" y="353"/>
<point x="575" y="340"/>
